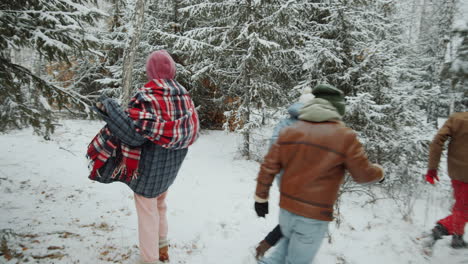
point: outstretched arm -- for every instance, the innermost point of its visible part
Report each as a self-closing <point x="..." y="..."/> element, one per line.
<point x="358" y="164"/>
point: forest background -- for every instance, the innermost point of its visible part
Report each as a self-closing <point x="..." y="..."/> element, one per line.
<point x="402" y="65"/>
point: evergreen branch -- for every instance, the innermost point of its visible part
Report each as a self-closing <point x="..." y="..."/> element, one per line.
<point x="189" y="40"/>
<point x="24" y="74"/>
<point x="61" y="13"/>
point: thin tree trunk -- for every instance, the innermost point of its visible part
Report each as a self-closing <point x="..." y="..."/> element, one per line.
<point x="176" y="13"/>
<point x="246" y="135"/>
<point x="246" y="115"/>
<point x="38" y="70"/>
<point x="424" y="20"/>
<point x="129" y="56"/>
<point x="412" y="23"/>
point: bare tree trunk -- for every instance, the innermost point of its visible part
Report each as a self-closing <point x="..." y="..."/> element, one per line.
<point x="246" y="115"/>
<point x="176" y="11"/>
<point x="424" y="19"/>
<point x="38" y="70"/>
<point x="129" y="56"/>
<point x="246" y="134"/>
<point x="413" y="22"/>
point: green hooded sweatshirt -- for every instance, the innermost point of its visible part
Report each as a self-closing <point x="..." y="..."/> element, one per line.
<point x="319" y="110"/>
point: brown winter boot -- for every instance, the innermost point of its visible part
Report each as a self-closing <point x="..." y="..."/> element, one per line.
<point x="164" y="254"/>
<point x="163" y="249"/>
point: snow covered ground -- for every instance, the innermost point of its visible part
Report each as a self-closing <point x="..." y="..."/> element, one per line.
<point x="51" y="213"/>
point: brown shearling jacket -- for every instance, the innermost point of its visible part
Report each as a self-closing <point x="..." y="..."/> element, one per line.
<point x="455" y="128"/>
<point x="314" y="157"/>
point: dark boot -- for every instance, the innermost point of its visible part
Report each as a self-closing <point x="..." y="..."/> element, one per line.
<point x="457" y="241"/>
<point x="439" y="231"/>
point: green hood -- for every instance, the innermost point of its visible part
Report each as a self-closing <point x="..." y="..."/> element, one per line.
<point x="332" y="94"/>
<point x="319" y="110"/>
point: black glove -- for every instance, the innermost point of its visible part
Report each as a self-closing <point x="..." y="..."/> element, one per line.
<point x="261" y="209"/>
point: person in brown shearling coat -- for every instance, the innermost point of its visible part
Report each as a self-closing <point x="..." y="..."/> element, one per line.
<point x="314" y="154"/>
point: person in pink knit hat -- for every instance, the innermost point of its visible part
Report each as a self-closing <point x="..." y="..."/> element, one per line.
<point x="160" y="65"/>
<point x="144" y="147"/>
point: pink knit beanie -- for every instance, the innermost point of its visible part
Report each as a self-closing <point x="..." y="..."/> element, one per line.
<point x="160" y="65"/>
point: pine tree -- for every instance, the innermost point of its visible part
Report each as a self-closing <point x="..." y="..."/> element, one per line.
<point x="158" y="33"/>
<point x="54" y="29"/>
<point x="344" y="35"/>
<point x="358" y="47"/>
<point x="100" y="71"/>
<point x="457" y="69"/>
<point x="170" y="26"/>
<point x="327" y="53"/>
<point x="249" y="54"/>
<point x="436" y="20"/>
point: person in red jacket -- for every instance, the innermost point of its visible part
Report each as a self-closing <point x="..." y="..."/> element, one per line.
<point x="455" y="129"/>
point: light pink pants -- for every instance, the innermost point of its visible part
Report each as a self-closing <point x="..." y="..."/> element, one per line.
<point x="152" y="225"/>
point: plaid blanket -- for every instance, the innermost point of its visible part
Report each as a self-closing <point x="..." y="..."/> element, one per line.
<point x="162" y="112"/>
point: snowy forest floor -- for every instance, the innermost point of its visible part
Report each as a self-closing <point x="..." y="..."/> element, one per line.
<point x="51" y="213"/>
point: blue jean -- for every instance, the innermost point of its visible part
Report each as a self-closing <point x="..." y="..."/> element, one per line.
<point x="301" y="240"/>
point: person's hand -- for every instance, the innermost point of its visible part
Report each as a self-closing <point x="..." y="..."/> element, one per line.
<point x="261" y="209"/>
<point x="261" y="249"/>
<point x="431" y="176"/>
<point x="100" y="106"/>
